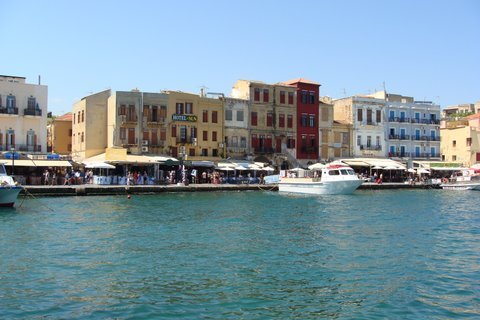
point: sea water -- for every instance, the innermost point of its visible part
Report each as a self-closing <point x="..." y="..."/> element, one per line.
<point x="243" y="255"/>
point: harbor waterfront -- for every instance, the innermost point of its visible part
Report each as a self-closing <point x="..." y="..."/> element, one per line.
<point x="92" y="189"/>
<point x="390" y="254"/>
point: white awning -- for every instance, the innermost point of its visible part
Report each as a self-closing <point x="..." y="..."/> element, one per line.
<point x="18" y="163"/>
<point x="51" y="163"/>
<point x="98" y="165"/>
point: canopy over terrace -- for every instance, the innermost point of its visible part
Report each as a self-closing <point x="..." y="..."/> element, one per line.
<point x="385" y="164"/>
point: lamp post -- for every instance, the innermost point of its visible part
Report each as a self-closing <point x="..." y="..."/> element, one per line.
<point x="13" y="160"/>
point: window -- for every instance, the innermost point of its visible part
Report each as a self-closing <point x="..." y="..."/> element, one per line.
<point x="378" y="141"/>
<point x="369" y="141"/>
<point x="214" y="152"/>
<point x="145" y="111"/>
<point x="69" y="133"/>
<point x="154" y="137"/>
<point x="239" y="115"/>
<point x="123" y="133"/>
<point x="174" y="131"/>
<point x="205" y="135"/>
<point x="454" y="143"/>
<point x="266" y="95"/>
<point x="454" y="158"/>
<point x="379" y="116"/>
<point x="145" y="134"/>
<point x="188" y="107"/>
<point x="179" y="108"/>
<point x="183" y="133"/>
<point x="234" y="141"/>
<point x="214" y="135"/>
<point x="256" y="94"/>
<point x="11" y="102"/>
<point x="282" y="97"/>
<point x="83" y="115"/>
<point x="204" y="152"/>
<point x="311" y="120"/>
<point x="290" y="143"/>
<point x="359" y="140"/>
<point x="281" y="120"/>
<point x="253" y="119"/>
<point x="303" y="120"/>
<point x="228" y="115"/>
<point x="214" y="116"/>
<point x="469" y="142"/>
<point x="369" y="116"/>
<point x="78" y="117"/>
<point x="193" y="133"/>
<point x="31" y="103"/>
<point x="312" y="97"/>
<point x="205" y="116"/>
<point x="163" y="112"/>
<point x="289" y="121"/>
<point x="123" y="110"/>
<point x="163" y="134"/>
<point x="290" y="98"/>
<point x="304" y="95"/>
<point x="83" y="137"/>
<point x="360" y="115"/>
<point x="191" y="152"/>
<point x="243" y="142"/>
<point x="269" y="119"/>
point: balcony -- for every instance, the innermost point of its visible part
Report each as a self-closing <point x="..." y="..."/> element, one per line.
<point x="264" y="150"/>
<point x="425" y="138"/>
<point x="370" y="147"/>
<point x="9" y="111"/>
<point x="186" y="140"/>
<point x="425" y="121"/>
<point x="32" y="112"/>
<point x="22" y="148"/>
<point x="369" y="123"/>
<point x="398" y="119"/>
<point x="399" y="137"/>
<point x="235" y="149"/>
<point x="309" y="150"/>
<point x="155" y="120"/>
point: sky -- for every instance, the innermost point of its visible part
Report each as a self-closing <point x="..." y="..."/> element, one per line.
<point x="426" y="49"/>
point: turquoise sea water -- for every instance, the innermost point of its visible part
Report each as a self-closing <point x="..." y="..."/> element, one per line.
<point x="243" y="255"/>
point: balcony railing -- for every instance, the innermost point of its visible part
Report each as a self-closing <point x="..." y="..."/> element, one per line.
<point x="236" y="149"/>
<point x="399" y="137"/>
<point x="425" y="121"/>
<point x="398" y="119"/>
<point x="263" y="150"/>
<point x="9" y="110"/>
<point x="32" y="112"/>
<point x="22" y="147"/>
<point x="370" y="147"/>
<point x="309" y="150"/>
<point x="188" y="140"/>
<point x="414" y="155"/>
<point x="425" y="138"/>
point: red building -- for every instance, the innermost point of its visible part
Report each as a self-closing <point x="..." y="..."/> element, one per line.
<point x="308" y="93"/>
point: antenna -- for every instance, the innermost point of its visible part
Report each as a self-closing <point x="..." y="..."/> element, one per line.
<point x="384" y="87"/>
<point x="203" y="89"/>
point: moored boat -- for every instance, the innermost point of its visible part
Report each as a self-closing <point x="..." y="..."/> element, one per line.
<point x="331" y="179"/>
<point x="9" y="190"/>
<point x="462" y="180"/>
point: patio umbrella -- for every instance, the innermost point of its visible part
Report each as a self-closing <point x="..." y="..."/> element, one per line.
<point x="316" y="166"/>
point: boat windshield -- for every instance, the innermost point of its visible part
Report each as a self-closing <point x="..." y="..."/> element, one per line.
<point x="2" y="170"/>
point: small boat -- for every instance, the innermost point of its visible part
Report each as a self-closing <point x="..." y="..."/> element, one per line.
<point x="9" y="190"/>
<point x="331" y="179"/>
<point x="462" y="180"/>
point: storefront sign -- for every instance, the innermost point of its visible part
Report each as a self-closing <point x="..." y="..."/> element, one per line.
<point x="184" y="117"/>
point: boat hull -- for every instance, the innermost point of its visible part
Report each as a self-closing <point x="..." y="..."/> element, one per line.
<point x="8" y="195"/>
<point x="327" y="187"/>
<point x="460" y="186"/>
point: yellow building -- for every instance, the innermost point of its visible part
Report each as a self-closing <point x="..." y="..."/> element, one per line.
<point x="59" y="135"/>
<point x="89" y="126"/>
<point x="460" y="140"/>
<point x="195" y="126"/>
<point x="271" y="121"/>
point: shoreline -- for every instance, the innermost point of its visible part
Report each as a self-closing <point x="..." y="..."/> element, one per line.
<point x="98" y="190"/>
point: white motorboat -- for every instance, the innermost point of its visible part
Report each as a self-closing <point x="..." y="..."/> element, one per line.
<point x="332" y="179"/>
<point x="462" y="180"/>
<point x="9" y="190"/>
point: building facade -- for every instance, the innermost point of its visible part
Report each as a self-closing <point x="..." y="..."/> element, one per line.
<point x="271" y="120"/>
<point x="59" y="135"/>
<point x="237" y="137"/>
<point x="412" y="128"/>
<point x="461" y="140"/>
<point x="365" y="115"/>
<point x="23" y="115"/>
<point x="307" y="111"/>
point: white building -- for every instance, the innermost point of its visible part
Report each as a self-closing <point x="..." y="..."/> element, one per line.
<point x="23" y="115"/>
<point x="365" y="114"/>
<point x="236" y="127"/>
<point x="412" y="128"/>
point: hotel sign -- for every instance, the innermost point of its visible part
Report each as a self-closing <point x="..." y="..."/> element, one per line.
<point x="184" y="117"/>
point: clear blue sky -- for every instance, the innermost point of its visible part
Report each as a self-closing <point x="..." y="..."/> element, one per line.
<point x="426" y="49"/>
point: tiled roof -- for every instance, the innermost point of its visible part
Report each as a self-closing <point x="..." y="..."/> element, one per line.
<point x="66" y="117"/>
<point x="302" y="80"/>
<point x="473" y="116"/>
